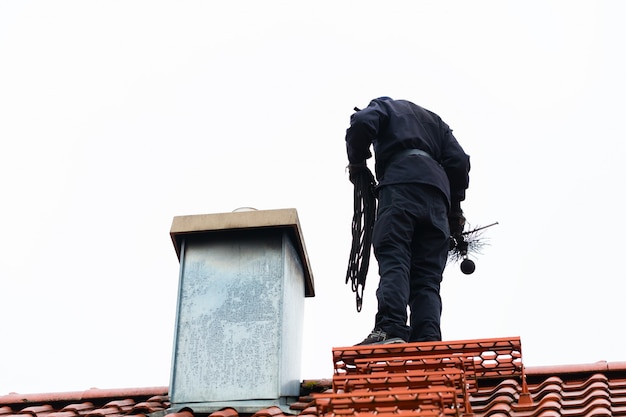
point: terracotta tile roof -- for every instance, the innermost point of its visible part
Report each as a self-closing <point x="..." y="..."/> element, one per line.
<point x="90" y="403"/>
<point x="467" y="378"/>
<point x="483" y="377"/>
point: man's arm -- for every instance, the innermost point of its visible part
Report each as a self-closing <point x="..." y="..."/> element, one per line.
<point x="456" y="163"/>
<point x="364" y="126"/>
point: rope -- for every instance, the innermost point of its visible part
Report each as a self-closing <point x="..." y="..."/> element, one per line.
<point x="362" y="228"/>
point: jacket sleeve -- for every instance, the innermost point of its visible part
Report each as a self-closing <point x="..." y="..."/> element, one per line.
<point x="364" y="127"/>
<point x="456" y="163"/>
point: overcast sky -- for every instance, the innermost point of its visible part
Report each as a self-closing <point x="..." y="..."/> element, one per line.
<point x="116" y="116"/>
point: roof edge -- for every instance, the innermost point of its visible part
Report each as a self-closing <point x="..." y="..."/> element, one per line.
<point x="600" y="366"/>
<point x="90" y="394"/>
<point x="96" y="393"/>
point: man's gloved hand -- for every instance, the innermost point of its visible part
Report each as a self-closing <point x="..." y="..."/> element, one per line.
<point x="355" y="171"/>
<point x="456" y="220"/>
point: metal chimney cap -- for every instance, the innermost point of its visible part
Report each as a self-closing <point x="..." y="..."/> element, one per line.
<point x="241" y="220"/>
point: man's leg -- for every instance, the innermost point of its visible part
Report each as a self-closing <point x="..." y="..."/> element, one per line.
<point x="430" y="246"/>
<point x="393" y="232"/>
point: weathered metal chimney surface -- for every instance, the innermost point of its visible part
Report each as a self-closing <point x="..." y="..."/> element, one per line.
<point x="242" y="283"/>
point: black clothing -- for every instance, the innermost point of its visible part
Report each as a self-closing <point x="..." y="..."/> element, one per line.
<point x="411" y="241"/>
<point x="417" y="193"/>
<point x="396" y="125"/>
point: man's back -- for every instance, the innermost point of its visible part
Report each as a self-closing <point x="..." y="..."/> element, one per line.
<point x="395" y="126"/>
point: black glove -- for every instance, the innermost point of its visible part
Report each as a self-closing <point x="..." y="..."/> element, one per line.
<point x="356" y="170"/>
<point x="456" y="220"/>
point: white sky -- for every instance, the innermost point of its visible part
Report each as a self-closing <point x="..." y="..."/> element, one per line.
<point x="117" y="116"/>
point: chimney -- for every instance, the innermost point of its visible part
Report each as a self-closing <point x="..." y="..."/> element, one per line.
<point x="238" y="335"/>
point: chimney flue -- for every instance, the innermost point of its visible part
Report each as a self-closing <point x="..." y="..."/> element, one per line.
<point x="238" y="336"/>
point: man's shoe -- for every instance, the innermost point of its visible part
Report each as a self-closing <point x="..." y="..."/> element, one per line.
<point x="379" y="337"/>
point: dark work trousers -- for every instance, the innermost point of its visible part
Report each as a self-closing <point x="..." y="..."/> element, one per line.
<point x="411" y="240"/>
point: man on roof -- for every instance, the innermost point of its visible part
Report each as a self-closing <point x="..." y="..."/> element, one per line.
<point x="422" y="175"/>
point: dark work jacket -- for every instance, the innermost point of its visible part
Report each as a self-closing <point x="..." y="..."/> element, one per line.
<point x="393" y="126"/>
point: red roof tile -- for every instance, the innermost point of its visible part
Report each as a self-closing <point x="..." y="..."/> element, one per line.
<point x="226" y="412"/>
<point x="184" y="413"/>
<point x="92" y="403"/>
<point x="410" y="380"/>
